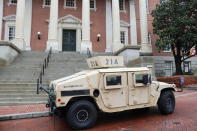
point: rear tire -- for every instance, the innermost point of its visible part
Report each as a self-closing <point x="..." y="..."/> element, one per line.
<point x="166" y="102"/>
<point x="81" y="114"/>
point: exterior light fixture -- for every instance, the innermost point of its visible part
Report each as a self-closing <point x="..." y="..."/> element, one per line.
<point x="39" y="35"/>
<point x="98" y="37"/>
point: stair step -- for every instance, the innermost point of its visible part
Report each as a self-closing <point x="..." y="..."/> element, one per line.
<point x="17" y="91"/>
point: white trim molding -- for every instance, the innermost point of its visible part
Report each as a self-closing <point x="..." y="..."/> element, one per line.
<point x="53" y="26"/>
<point x="86" y="43"/>
<point x="28" y="24"/>
<point x="69" y="22"/>
<point x="124" y="26"/>
<point x="116" y="25"/>
<point x="69" y="7"/>
<point x="147" y="7"/>
<point x="133" y="26"/>
<point x="145" y="47"/>
<point x="20" y="22"/>
<point x="1" y="18"/>
<point x="9" y="21"/>
<point x="108" y="26"/>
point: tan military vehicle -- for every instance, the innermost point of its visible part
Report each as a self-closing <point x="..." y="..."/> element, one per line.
<point x="108" y="87"/>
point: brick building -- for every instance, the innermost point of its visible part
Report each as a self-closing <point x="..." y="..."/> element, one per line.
<point x="78" y="25"/>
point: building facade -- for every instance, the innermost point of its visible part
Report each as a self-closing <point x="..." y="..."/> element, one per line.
<point x="81" y="25"/>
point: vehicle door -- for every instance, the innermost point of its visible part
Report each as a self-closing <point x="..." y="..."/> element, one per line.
<point x="139" y="88"/>
<point x="114" y="90"/>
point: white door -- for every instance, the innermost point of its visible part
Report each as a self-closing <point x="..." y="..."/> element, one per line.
<point x="114" y="90"/>
<point x="138" y="92"/>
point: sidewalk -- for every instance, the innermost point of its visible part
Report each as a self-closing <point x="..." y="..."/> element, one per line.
<point x="23" y="111"/>
<point x="39" y="110"/>
<point x="183" y="119"/>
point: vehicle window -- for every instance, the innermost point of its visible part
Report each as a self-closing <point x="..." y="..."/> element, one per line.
<point x="113" y="80"/>
<point x="139" y="78"/>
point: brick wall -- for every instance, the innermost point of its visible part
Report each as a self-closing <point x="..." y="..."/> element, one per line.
<point x="188" y="80"/>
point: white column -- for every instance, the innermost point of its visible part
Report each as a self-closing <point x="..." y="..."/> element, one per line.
<point x="133" y="29"/>
<point x="28" y="25"/>
<point x="108" y="26"/>
<point x="116" y="25"/>
<point x="20" y="21"/>
<point x="86" y="43"/>
<point x="53" y="26"/>
<point x="145" y="46"/>
<point x="1" y="18"/>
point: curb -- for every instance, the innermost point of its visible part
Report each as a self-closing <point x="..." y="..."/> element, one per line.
<point x="191" y="87"/>
<point x="23" y="116"/>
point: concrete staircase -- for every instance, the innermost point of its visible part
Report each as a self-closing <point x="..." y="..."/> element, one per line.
<point x="18" y="80"/>
<point x="65" y="64"/>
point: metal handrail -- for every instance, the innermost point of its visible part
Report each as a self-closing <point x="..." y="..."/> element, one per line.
<point x="42" y="72"/>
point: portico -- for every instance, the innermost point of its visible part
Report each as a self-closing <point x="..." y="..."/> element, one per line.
<point x="83" y="28"/>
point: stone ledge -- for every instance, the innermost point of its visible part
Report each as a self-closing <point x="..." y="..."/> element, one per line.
<point x="8" y="53"/>
<point x="7" y="43"/>
<point x="133" y="47"/>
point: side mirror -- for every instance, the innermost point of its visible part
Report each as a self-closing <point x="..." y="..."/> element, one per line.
<point x="145" y="79"/>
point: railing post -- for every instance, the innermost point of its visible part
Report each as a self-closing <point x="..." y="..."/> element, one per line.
<point x="40" y="77"/>
<point x="45" y="63"/>
<point x="43" y="69"/>
<point x="38" y="85"/>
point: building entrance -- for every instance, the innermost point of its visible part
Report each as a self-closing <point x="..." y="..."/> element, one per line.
<point x="69" y="40"/>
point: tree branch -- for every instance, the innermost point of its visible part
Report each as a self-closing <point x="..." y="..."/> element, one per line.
<point x="187" y="57"/>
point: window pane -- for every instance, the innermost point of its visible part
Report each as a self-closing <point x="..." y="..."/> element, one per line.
<point x="139" y="78"/>
<point x="70" y="3"/>
<point x="122" y="37"/>
<point x="47" y="2"/>
<point x="167" y="48"/>
<point x="11" y="32"/>
<point x="13" y="1"/>
<point x="113" y="80"/>
<point x="121" y="4"/>
<point x="92" y="4"/>
<point x="187" y="66"/>
<point x="168" y="68"/>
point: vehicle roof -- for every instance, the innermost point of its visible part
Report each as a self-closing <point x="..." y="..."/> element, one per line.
<point x="125" y="69"/>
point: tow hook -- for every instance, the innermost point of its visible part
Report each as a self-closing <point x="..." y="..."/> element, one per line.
<point x="47" y="105"/>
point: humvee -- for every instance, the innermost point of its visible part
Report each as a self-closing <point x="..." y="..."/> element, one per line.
<point x="108" y="86"/>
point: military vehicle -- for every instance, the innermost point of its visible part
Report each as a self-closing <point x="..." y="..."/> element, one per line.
<point x="108" y="86"/>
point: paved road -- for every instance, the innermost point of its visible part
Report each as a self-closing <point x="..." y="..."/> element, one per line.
<point x="183" y="119"/>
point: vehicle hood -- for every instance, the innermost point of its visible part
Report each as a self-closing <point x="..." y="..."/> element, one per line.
<point x="162" y="85"/>
<point x="77" y="80"/>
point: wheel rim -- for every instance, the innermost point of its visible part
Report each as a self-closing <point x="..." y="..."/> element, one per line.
<point x="170" y="102"/>
<point x="82" y="115"/>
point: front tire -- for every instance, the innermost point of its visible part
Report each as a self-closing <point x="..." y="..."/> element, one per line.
<point x="81" y="115"/>
<point x="166" y="102"/>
